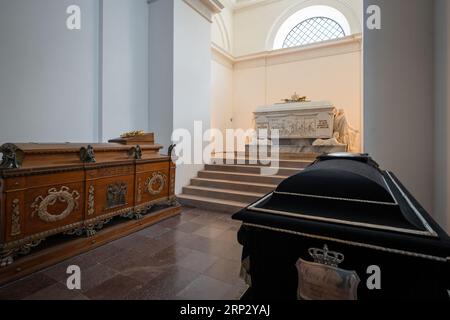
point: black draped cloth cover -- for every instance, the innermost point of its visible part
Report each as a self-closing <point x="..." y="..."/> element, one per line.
<point x="346" y="202"/>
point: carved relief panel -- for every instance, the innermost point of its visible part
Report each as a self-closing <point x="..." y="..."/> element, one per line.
<point x="15" y="222"/>
<point x="153" y="182"/>
<point x="107" y="195"/>
<point x="297" y="121"/>
<point x="156" y="183"/>
<point x="116" y="195"/>
<point x="50" y="207"/>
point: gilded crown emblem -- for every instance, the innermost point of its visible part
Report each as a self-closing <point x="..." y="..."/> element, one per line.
<point x="326" y="257"/>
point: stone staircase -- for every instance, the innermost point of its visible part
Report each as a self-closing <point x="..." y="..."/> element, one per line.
<point x="231" y="187"/>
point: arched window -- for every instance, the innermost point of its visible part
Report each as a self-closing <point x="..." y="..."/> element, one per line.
<point x="313" y="30"/>
<point x="311" y="25"/>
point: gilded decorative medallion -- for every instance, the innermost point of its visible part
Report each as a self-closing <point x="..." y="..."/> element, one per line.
<point x="41" y="204"/>
<point x="156" y="183"/>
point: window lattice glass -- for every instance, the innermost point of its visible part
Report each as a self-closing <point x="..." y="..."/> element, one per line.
<point x="313" y="30"/>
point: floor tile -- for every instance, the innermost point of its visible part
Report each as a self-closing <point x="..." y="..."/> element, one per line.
<point x="197" y="261"/>
<point x="153" y="231"/>
<point x="222" y="249"/>
<point x="25" y="287"/>
<point x="221" y="224"/>
<point x="101" y="254"/>
<point x="193" y="256"/>
<point x="209" y="232"/>
<point x="228" y="236"/>
<point x="205" y="219"/>
<point x="164" y="287"/>
<point x="224" y="270"/>
<point x="172" y="237"/>
<point x="205" y="288"/>
<point x="172" y="222"/>
<point x="127" y="259"/>
<point x="129" y="241"/>
<point x="236" y="292"/>
<point x="149" y="246"/>
<point x="95" y="276"/>
<point x="189" y="227"/>
<point x="57" y="291"/>
<point x="115" y="288"/>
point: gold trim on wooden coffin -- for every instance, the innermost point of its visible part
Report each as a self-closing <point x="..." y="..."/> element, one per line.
<point x="15" y="222"/>
<point x="10" y="250"/>
<point x="139" y="190"/>
<point x="91" y="201"/>
<point x="159" y="179"/>
<point x="41" y="204"/>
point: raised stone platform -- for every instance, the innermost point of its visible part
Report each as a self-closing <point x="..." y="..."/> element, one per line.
<point x="294" y="148"/>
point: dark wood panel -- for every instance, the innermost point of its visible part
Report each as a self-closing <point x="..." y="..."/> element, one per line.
<point x="110" y="172"/>
<point x="54" y="179"/>
<point x="149" y="167"/>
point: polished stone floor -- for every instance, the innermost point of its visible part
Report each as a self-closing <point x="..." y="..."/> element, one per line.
<point x="192" y="256"/>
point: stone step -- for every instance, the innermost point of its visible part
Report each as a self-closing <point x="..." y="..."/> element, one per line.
<point x="281" y="154"/>
<point x="298" y="164"/>
<point x="250" y="169"/>
<point x="224" y="194"/>
<point x="243" y="177"/>
<point x="211" y="203"/>
<point x="234" y="185"/>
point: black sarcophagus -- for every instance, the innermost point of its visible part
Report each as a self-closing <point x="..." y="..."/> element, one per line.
<point x="343" y="229"/>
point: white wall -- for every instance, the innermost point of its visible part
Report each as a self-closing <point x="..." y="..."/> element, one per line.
<point x="160" y="88"/>
<point x="399" y="94"/>
<point x="222" y="29"/>
<point x="254" y="27"/>
<point x="327" y="72"/>
<point x="442" y="113"/>
<point x="222" y="75"/>
<point x="48" y="74"/>
<point x="125" y="67"/>
<point x="58" y="85"/>
<point x="192" y="77"/>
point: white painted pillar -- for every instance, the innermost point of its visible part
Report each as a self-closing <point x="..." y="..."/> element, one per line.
<point x="399" y="93"/>
<point x="180" y="70"/>
<point x="442" y="113"/>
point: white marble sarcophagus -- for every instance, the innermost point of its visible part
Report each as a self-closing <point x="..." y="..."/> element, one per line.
<point x="306" y="127"/>
<point x="303" y="120"/>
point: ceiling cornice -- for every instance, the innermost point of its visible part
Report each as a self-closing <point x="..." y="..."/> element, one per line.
<point x="238" y="5"/>
<point x="345" y="45"/>
<point x="206" y="8"/>
<point x="215" y="6"/>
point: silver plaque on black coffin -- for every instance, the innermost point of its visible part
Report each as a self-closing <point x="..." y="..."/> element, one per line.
<point x="324" y="280"/>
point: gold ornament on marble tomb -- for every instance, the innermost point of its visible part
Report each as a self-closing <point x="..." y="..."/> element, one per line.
<point x="296" y="98"/>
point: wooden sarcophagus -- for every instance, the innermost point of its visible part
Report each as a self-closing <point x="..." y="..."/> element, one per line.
<point x="72" y="190"/>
